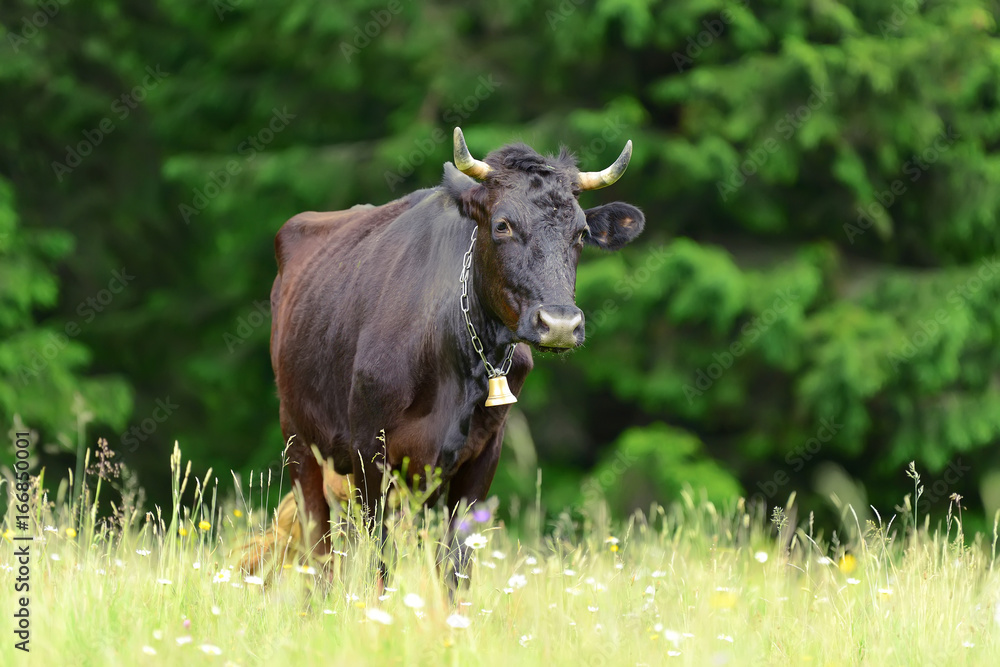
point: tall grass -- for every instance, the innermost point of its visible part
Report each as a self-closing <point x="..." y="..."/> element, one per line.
<point x="690" y="584"/>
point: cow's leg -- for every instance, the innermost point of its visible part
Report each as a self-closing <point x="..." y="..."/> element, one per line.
<point x="469" y="486"/>
<point x="307" y="483"/>
<point x="368" y="477"/>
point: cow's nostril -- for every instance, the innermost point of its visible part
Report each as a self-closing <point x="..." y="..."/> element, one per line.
<point x="538" y="321"/>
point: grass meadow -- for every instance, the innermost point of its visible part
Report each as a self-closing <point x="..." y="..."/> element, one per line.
<point x="690" y="584"/>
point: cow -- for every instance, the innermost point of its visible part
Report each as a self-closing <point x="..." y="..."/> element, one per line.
<point x="390" y="322"/>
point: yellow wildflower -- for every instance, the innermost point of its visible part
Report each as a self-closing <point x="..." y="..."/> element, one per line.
<point x="848" y="564"/>
<point x="204" y="525"/>
<point x="182" y="532"/>
<point x="70" y="533"/>
<point x="722" y="598"/>
<point x="237" y="513"/>
<point x="8" y="534"/>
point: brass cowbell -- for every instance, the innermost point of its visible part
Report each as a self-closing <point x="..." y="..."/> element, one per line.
<point x="499" y="392"/>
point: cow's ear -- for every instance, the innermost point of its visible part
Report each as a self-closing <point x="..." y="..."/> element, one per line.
<point x="474" y="203"/>
<point x="613" y="225"/>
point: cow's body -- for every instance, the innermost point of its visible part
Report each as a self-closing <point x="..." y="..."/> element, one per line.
<point x="367" y="335"/>
<point x="368" y="332"/>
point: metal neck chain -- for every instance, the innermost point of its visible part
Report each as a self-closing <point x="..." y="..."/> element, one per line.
<point x="476" y="343"/>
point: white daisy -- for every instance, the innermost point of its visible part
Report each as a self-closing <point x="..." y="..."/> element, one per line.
<point x="475" y="541"/>
<point x="458" y="621"/>
<point x="379" y="616"/>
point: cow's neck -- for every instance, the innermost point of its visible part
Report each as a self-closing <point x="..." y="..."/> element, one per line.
<point x="495" y="336"/>
<point x="487" y="330"/>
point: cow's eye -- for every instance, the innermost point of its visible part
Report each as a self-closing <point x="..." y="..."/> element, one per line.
<point x="502" y="228"/>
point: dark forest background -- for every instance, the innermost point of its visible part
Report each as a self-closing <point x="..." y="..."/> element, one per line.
<point x="813" y="304"/>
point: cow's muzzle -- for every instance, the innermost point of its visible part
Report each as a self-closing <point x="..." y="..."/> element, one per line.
<point x="554" y="328"/>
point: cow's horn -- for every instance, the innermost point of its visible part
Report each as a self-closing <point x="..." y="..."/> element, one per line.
<point x="467" y="164"/>
<point x="593" y="180"/>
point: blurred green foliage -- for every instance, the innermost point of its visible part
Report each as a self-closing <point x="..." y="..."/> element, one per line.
<point x="817" y="280"/>
<point x="43" y="367"/>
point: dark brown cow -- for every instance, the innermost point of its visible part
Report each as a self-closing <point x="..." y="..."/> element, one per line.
<point x="369" y="332"/>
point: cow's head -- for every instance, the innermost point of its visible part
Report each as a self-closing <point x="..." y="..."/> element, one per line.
<point x="531" y="231"/>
